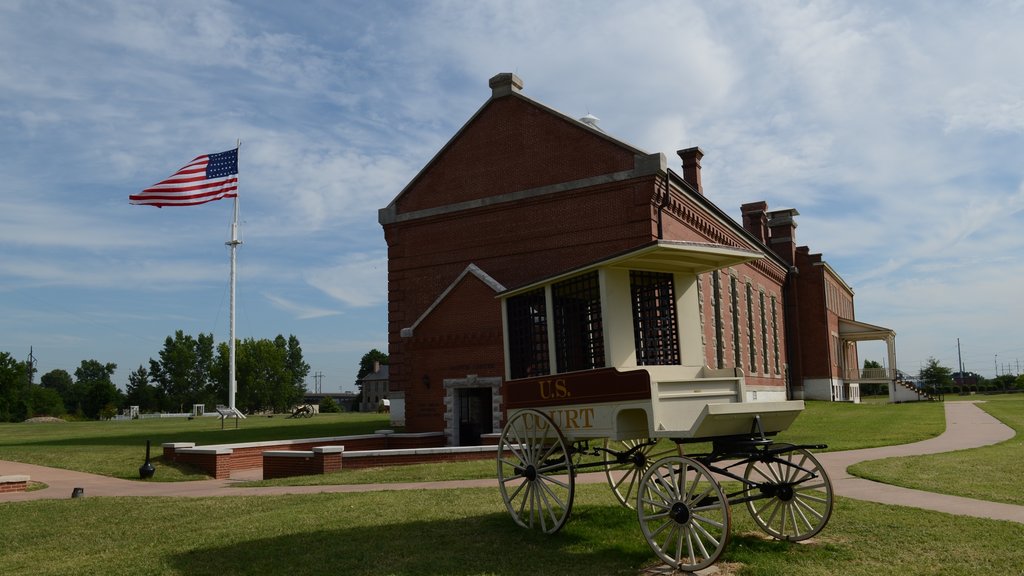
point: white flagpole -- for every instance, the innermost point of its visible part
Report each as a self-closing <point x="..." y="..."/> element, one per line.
<point x="234" y="243"/>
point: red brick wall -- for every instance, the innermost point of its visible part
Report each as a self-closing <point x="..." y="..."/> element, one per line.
<point x="287" y="466"/>
<point x="512" y="145"/>
<point x="396" y="460"/>
<point x="13" y="486"/>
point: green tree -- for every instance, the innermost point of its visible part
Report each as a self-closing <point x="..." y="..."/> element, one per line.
<point x="367" y="361"/>
<point x="64" y="385"/>
<point x="12" y="384"/>
<point x="270" y="375"/>
<point x="44" y="401"/>
<point x="934" y="375"/>
<point x="328" y="405"/>
<point x="139" y="392"/>
<point x="94" y="378"/>
<point x="183" y="374"/>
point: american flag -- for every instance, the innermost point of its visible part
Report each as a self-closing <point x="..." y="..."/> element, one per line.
<point x="209" y="177"/>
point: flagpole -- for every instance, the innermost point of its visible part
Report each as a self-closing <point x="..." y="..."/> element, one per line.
<point x="234" y="243"/>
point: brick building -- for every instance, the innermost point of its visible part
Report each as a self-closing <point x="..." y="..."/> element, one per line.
<point x="523" y="192"/>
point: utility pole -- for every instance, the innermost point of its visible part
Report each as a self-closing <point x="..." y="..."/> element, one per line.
<point x="960" y="361"/>
<point x="318" y="382"/>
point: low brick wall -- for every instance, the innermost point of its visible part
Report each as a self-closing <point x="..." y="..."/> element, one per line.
<point x="222" y="459"/>
<point x="372" y="458"/>
<point x="285" y="463"/>
<point x="14" y="483"/>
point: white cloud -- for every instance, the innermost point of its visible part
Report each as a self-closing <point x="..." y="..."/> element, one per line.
<point x="358" y="280"/>
<point x="300" y="311"/>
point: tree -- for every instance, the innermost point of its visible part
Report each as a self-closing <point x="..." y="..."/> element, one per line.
<point x="183" y="374"/>
<point x="270" y="374"/>
<point x="328" y="405"/>
<point x="139" y="392"/>
<point x="13" y="406"/>
<point x="61" y="382"/>
<point x="366" y="363"/>
<point x="93" y="378"/>
<point x="44" y="401"/>
<point x="934" y="375"/>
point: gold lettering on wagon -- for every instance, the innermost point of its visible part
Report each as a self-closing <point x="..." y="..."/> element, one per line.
<point x="553" y="389"/>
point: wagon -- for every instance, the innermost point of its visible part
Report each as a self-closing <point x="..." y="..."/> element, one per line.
<point x="615" y="383"/>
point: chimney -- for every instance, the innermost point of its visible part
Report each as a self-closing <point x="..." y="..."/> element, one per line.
<point x="504" y="84"/>
<point x="755" y="220"/>
<point x="782" y="233"/>
<point x="376" y="366"/>
<point x="691" y="167"/>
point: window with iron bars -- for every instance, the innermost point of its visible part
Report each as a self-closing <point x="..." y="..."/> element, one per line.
<point x="579" y="331"/>
<point x="655" y="329"/>
<point x="528" y="334"/>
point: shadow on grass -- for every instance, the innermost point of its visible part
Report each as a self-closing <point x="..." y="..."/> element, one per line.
<point x="488" y="544"/>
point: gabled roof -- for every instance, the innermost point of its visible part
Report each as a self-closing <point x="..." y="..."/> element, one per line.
<point x="471" y="269"/>
<point x="855" y="331"/>
<point x="507" y="85"/>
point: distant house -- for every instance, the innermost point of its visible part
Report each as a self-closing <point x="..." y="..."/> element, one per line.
<point x="375" y="388"/>
<point x="523" y="192"/>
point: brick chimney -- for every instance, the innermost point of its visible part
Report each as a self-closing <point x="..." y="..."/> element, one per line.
<point x="691" y="166"/>
<point x="782" y="233"/>
<point x="504" y="84"/>
<point x="755" y="220"/>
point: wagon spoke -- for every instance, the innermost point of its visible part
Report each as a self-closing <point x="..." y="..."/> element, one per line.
<point x="683" y="513"/>
<point x="797" y="494"/>
<point x="530" y="447"/>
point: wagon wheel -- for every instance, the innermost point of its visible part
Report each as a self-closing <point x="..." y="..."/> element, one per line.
<point x="683" y="513"/>
<point x="624" y="472"/>
<point x="796" y="495"/>
<point x="535" y="472"/>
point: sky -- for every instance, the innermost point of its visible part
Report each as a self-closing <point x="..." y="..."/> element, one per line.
<point x="896" y="129"/>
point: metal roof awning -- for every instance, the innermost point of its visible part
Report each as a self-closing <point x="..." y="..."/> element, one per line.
<point x="660" y="256"/>
<point x="855" y="331"/>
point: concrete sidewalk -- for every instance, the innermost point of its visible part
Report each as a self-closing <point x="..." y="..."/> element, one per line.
<point x="967" y="426"/>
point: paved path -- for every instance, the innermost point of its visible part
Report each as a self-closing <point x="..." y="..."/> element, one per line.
<point x="967" y="426"/>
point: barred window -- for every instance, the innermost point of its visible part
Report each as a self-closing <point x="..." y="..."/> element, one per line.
<point x="764" y="334"/>
<point x="579" y="332"/>
<point x="716" y="294"/>
<point x="735" y="294"/>
<point x="750" y="328"/>
<point x="655" y="329"/>
<point x="528" y="334"/>
<point x="775" y="335"/>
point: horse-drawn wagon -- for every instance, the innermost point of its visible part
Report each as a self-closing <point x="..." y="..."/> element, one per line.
<point x="616" y="382"/>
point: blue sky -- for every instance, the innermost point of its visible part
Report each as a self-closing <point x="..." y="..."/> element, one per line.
<point x="896" y="129"/>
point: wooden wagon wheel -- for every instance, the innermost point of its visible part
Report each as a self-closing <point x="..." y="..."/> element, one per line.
<point x="625" y="462"/>
<point x="683" y="513"/>
<point x="797" y="495"/>
<point x="535" y="472"/>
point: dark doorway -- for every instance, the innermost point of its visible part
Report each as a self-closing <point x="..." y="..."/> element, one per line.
<point x="474" y="415"/>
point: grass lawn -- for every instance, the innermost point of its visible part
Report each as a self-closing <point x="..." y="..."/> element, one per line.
<point x="841" y="426"/>
<point x="461" y="532"/>
<point x="989" y="473"/>
<point x="118" y="448"/>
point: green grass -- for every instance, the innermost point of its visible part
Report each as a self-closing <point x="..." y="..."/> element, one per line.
<point x="990" y="473"/>
<point x="118" y="448"/>
<point x="461" y="532"/>
<point x="840" y="426"/>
